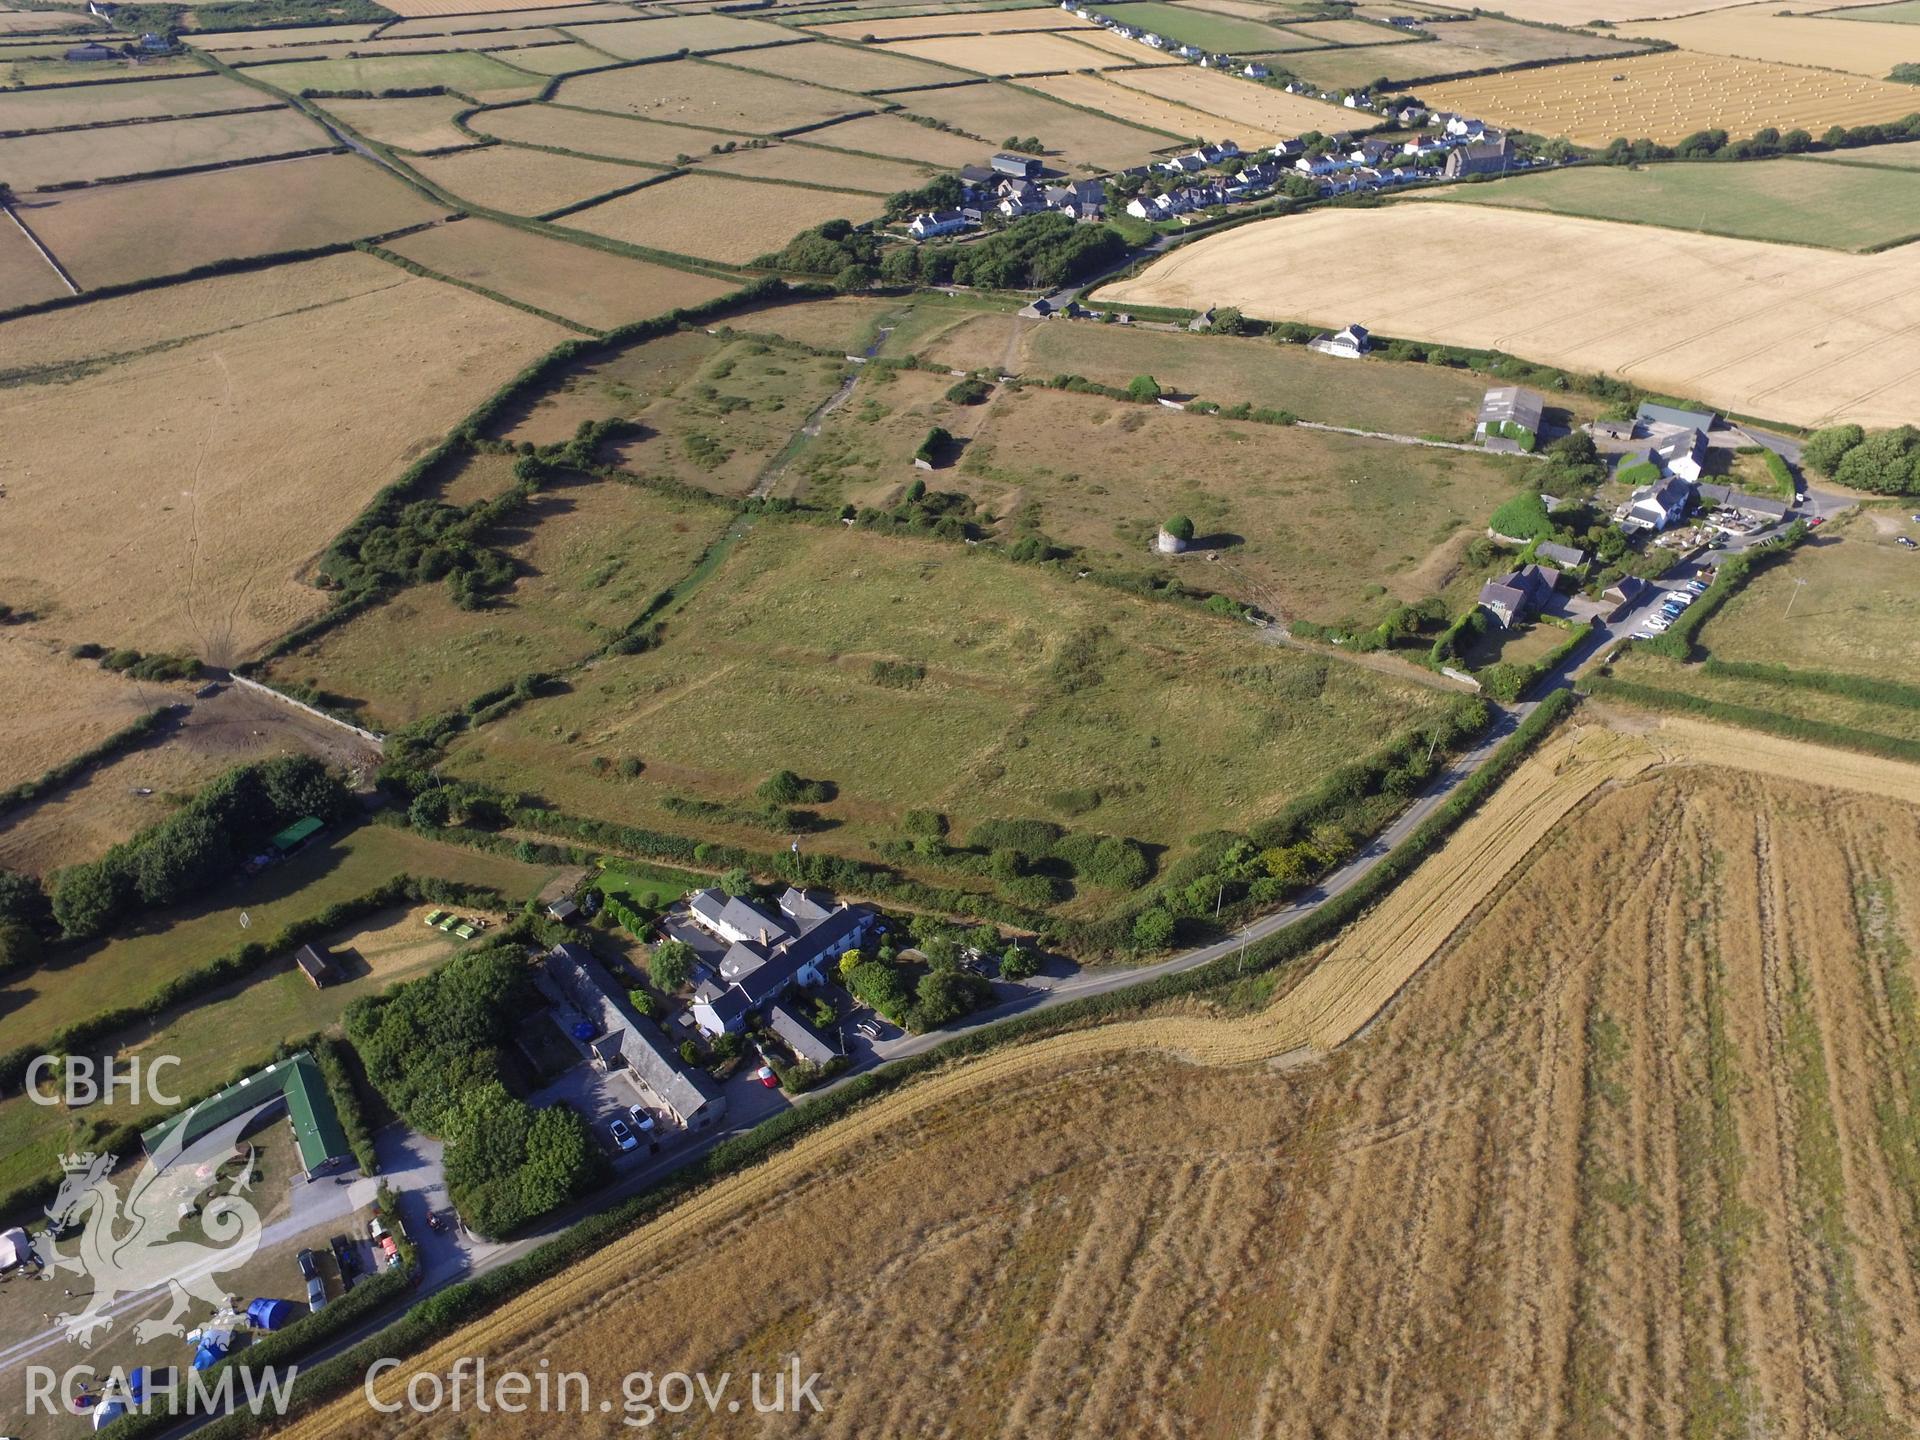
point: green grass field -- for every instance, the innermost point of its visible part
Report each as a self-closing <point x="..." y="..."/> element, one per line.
<point x="1857" y="614"/>
<point x="124" y="969"/>
<point x="1901" y="12"/>
<point x="592" y="555"/>
<point x="646" y="886"/>
<point x="465" y="71"/>
<point x="1033" y="686"/>
<point x="1199" y="27"/>
<point x="1793" y="702"/>
<point x="1842" y="207"/>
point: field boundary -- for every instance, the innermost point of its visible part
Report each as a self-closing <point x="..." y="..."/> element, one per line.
<point x="143" y="120"/>
<point x="262" y="689"/>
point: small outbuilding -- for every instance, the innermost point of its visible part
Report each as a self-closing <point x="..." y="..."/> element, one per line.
<point x="564" y="911"/>
<point x="316" y="965"/>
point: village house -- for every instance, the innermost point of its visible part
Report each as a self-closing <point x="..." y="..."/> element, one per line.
<point x="1350" y="343"/>
<point x="1681" y="454"/>
<point x="1287" y="150"/>
<point x="935" y="223"/>
<point x="1082" y="199"/>
<point x="1658" y="506"/>
<point x="1505" y="408"/>
<point x="1256" y="71"/>
<point x="1519" y="594"/>
<point x="797" y="947"/>
<point x="807" y="1044"/>
<point x="1564" y="557"/>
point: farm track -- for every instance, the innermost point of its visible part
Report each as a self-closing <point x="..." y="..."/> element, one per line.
<point x="1375" y="1232"/>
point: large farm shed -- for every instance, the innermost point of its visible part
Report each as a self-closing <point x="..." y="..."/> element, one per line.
<point x="297" y="1082"/>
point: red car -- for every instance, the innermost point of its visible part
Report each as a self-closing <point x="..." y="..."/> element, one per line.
<point x="767" y="1078"/>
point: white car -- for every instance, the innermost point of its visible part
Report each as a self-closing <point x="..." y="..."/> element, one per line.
<point x="622" y="1135"/>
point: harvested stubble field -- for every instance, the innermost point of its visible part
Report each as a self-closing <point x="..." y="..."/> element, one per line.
<point x="519" y="181"/>
<point x="1037" y="54"/>
<point x="34" y="22"/>
<point x="494" y="12"/>
<point x="18" y="70"/>
<point x="954" y="22"/>
<point x="650" y="39"/>
<point x="112" y="234"/>
<point x="892" y="135"/>
<point x="411" y="45"/>
<point x="847" y="67"/>
<point x="1644" y="1142"/>
<point x="56" y="706"/>
<point x="235" y="396"/>
<point x="112" y="800"/>
<point x="1032" y="687"/>
<point x="552" y="59"/>
<point x="1669" y="95"/>
<point x="811" y="165"/>
<point x="417" y="122"/>
<point x="25" y="276"/>
<point x="1098" y="92"/>
<point x="464" y="71"/>
<point x="591" y="133"/>
<point x="30" y="161"/>
<point x="185" y="95"/>
<point x="1761" y="32"/>
<point x="592" y="554"/>
<point x="1635" y="12"/>
<point x="1349" y="32"/>
<point x="1235" y="101"/>
<point x="1844" y="207"/>
<point x="1305" y="524"/>
<point x="576" y="282"/>
<point x="1857" y="613"/>
<point x="1801" y="335"/>
<point x="715" y="218"/>
<point x="1072" y="137"/>
<point x="222" y="42"/>
<point x="568" y="13"/>
<point x="686" y="92"/>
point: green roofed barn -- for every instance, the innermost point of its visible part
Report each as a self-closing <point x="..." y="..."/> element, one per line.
<point x="298" y="1083"/>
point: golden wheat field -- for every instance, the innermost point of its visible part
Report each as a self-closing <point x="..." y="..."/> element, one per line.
<point x="1669" y="95"/>
<point x="1235" y="101"/>
<point x="716" y="218"/>
<point x="1098" y="92"/>
<point x="1762" y="32"/>
<point x="417" y="122"/>
<point x="1626" y="1157"/>
<point x="254" y="415"/>
<point x="1778" y="331"/>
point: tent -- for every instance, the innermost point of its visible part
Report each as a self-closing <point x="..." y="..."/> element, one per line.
<point x="272" y="1314"/>
<point x="16" y="1248"/>
<point x="161" y="1378"/>
<point x="108" y="1410"/>
<point x="214" y="1345"/>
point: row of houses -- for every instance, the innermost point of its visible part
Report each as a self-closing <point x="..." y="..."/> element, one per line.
<point x="990" y="190"/>
<point x="769" y="950"/>
<point x="1213" y="60"/>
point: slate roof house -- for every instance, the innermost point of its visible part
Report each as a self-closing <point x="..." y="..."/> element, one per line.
<point x="626" y="1040"/>
<point x="1655" y="507"/>
<point x="1566" y="557"/>
<point x="798" y="948"/>
<point x="1350" y="343"/>
<point x="1514" y="596"/>
<point x="1493" y="157"/>
<point x="806" y="1043"/>
<point x="1683" y="454"/>
<point x="936" y="222"/>
<point x="1506" y="405"/>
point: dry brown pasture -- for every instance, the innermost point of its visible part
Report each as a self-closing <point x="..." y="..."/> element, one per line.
<point x="1779" y="331"/>
<point x="33" y="22"/>
<point x="991" y="110"/>
<point x="576" y="282"/>
<point x="25" y="276"/>
<point x="593" y="552"/>
<point x="841" y="323"/>
<point x="848" y="67"/>
<point x="1671" y="94"/>
<point x="1235" y="101"/>
<point x="1098" y="92"/>
<point x="1464" y="45"/>
<point x="813" y="165"/>
<point x="111" y="234"/>
<point x="1639" y="12"/>
<point x="236" y="455"/>
<point x="105" y="806"/>
<point x="648" y="39"/>
<point x="55" y="707"/>
<point x="1042" y="53"/>
<point x="470" y="10"/>
<point x="501" y="21"/>
<point x="1518" y="1156"/>
<point x="686" y="92"/>
<point x="592" y="133"/>
<point x="61" y="106"/>
<point x="497" y="42"/>
<point x="416" y="122"/>
<point x="31" y="161"/>
<point x="622" y="386"/>
<point x="892" y="135"/>
<point x="564" y="59"/>
<point x="715" y="218"/>
<point x="954" y="22"/>
<point x="526" y="182"/>
<point x="223" y="41"/>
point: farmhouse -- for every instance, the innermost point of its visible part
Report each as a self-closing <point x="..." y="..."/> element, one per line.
<point x="806" y="1043"/>
<point x="752" y="974"/>
<point x="1513" y="597"/>
<point x="296" y="1084"/>
<point x="1020" y="167"/>
<point x="1682" y="454"/>
<point x="1509" y="418"/>
<point x="936" y="222"/>
<point x="1655" y="507"/>
<point x="1350" y="343"/>
<point x="92" y="50"/>
<point x="624" y="1040"/>
<point x="316" y="966"/>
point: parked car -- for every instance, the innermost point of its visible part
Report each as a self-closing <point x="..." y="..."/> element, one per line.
<point x="767" y="1078"/>
<point x="346" y="1257"/>
<point x="641" y="1119"/>
<point x="1903" y="542"/>
<point x="622" y="1134"/>
<point x="1816" y="522"/>
<point x="309" y="1264"/>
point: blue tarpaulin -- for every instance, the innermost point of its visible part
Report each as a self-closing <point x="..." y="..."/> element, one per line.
<point x="213" y="1349"/>
<point x="272" y="1314"/>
